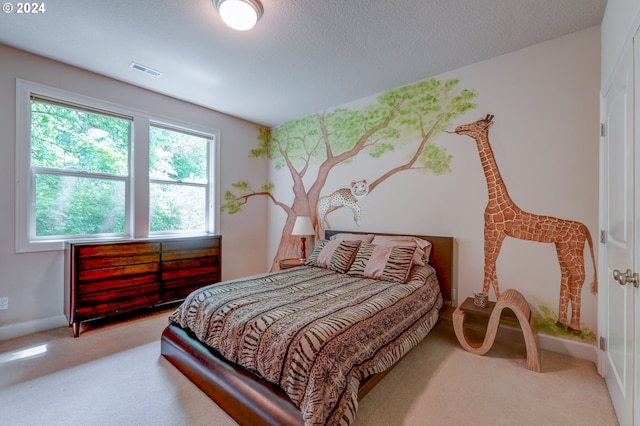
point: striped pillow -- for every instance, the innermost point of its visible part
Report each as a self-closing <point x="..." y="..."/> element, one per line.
<point x="334" y="255"/>
<point x="386" y="263"/>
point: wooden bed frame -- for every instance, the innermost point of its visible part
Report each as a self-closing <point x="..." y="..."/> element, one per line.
<point x="250" y="400"/>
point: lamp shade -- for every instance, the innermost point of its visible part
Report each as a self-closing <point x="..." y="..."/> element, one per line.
<point x="303" y="226"/>
<point x="240" y="15"/>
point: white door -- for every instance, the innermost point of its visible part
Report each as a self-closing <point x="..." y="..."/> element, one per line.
<point x="617" y="221"/>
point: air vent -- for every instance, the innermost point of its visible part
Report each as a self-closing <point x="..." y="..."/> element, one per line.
<point x="144" y="69"/>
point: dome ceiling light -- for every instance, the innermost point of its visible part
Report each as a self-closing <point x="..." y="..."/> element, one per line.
<point x="240" y="15"/>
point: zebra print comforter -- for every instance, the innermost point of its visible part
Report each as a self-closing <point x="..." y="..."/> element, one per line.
<point x="314" y="332"/>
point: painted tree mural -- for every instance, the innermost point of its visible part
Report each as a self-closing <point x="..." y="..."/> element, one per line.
<point x="407" y="116"/>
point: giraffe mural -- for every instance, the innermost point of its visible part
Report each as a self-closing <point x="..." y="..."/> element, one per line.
<point x="502" y="218"/>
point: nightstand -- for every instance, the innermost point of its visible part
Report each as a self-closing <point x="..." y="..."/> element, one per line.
<point x="291" y="263"/>
<point x="511" y="300"/>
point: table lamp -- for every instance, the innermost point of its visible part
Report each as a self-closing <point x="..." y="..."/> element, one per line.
<point x="303" y="227"/>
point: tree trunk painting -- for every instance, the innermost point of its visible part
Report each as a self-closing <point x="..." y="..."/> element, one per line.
<point x="410" y="115"/>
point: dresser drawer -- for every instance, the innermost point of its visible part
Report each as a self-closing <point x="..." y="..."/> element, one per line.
<point x="190" y="249"/>
<point x="118" y="300"/>
<point x="176" y="270"/>
<point x="108" y="256"/>
<point x="107" y="278"/>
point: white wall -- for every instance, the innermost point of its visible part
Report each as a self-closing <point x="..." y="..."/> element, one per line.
<point x="545" y="139"/>
<point x="34" y="281"/>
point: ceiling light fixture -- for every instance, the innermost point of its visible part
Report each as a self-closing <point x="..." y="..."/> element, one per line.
<point x="240" y="15"/>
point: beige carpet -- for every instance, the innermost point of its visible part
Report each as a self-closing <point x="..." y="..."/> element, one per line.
<point x="113" y="374"/>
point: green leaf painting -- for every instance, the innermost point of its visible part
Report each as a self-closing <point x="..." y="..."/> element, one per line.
<point x="407" y="118"/>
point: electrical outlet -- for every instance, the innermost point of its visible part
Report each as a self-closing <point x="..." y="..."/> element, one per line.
<point x="4" y="303"/>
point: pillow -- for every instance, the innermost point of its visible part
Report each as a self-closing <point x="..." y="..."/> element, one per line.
<point x="423" y="250"/>
<point x="333" y="254"/>
<point x="385" y="262"/>
<point x="365" y="238"/>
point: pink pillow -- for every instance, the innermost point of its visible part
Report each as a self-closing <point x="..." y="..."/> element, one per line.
<point x="423" y="247"/>
<point x="365" y="238"/>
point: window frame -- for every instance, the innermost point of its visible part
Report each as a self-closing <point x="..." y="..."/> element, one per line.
<point x="138" y="182"/>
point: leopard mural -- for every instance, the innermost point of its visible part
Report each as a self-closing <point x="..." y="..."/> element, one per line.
<point x="343" y="197"/>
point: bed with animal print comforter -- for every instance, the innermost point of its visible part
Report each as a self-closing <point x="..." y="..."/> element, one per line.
<point x="314" y="332"/>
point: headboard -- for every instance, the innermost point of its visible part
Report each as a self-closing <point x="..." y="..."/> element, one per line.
<point x="441" y="258"/>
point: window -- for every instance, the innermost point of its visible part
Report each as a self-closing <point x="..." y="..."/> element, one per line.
<point x="80" y="169"/>
<point x="178" y="177"/>
<point x="90" y="169"/>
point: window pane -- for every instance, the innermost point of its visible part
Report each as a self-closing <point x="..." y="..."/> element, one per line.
<point x="69" y="205"/>
<point x="177" y="156"/>
<point x="177" y="208"/>
<point x="70" y="139"/>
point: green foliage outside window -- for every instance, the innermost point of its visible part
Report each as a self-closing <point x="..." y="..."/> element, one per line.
<point x="177" y="156"/>
<point x="179" y="174"/>
<point x="68" y="205"/>
<point x="70" y="139"/>
<point x="81" y="163"/>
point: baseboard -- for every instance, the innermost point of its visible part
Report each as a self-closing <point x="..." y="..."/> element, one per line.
<point x="569" y="347"/>
<point x="23" y="328"/>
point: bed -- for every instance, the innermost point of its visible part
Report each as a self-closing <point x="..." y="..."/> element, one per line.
<point x="255" y="388"/>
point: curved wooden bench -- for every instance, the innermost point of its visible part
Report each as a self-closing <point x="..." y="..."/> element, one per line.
<point x="513" y="300"/>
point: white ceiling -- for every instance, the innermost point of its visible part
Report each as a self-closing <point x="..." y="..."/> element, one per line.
<point x="303" y="55"/>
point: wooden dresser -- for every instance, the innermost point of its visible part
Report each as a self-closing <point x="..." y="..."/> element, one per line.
<point x="106" y="278"/>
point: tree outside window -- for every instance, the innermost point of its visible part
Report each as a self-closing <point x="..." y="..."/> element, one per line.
<point x="178" y="172"/>
<point x="81" y="171"/>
